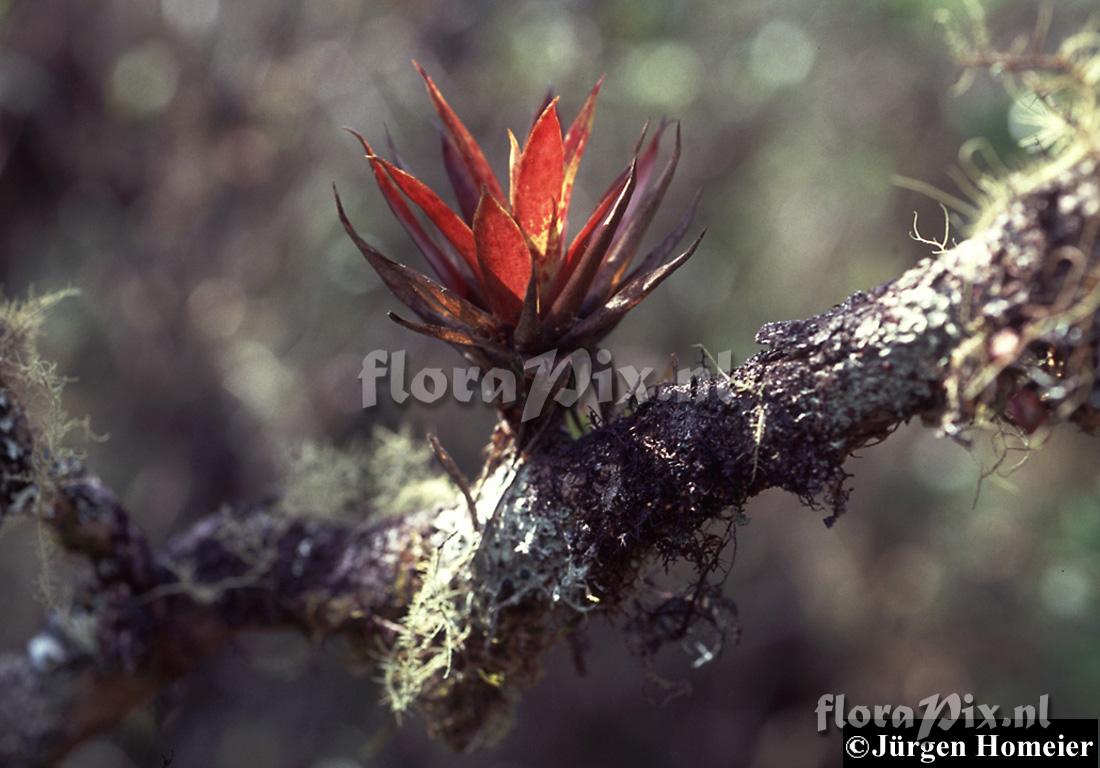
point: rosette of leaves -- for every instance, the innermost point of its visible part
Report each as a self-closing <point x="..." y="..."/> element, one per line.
<point x="509" y="283"/>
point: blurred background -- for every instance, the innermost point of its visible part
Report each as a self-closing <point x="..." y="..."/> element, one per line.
<point x="172" y="160"/>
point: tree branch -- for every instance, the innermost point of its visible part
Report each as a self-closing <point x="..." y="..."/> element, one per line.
<point x="1002" y="327"/>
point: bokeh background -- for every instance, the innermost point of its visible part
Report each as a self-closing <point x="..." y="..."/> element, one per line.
<point x="172" y="160"/>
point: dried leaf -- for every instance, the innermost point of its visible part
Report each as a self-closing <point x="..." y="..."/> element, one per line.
<point x="463" y="337"/>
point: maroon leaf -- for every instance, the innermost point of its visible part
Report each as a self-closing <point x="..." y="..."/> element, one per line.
<point x="637" y="288"/>
<point x="462" y="182"/>
<point x="391" y="146"/>
<point x="527" y="327"/>
<point x="568" y="301"/>
<point x="657" y="256"/>
<point x="580" y="242"/>
<point x="635" y="223"/>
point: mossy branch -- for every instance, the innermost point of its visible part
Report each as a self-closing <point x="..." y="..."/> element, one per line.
<point x="1003" y="327"/>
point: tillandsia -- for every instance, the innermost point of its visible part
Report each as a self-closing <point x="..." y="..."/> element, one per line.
<point x="509" y="286"/>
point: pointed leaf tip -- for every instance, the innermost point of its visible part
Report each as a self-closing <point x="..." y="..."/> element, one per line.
<point x="468" y="149"/>
<point x="573" y="145"/>
<point x="538" y="178"/>
<point x="578" y="276"/>
<point x="428" y="299"/>
<point x="449" y="223"/>
<point x="634" y="291"/>
<point x="441" y="262"/>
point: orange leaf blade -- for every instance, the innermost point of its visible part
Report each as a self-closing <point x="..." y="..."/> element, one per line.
<point x="538" y="178"/>
<point x="449" y="223"/>
<point x="504" y="258"/>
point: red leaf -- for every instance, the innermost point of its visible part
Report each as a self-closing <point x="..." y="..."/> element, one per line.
<point x="538" y="178"/>
<point x="446" y="221"/>
<point x="549" y="97"/>
<point x="504" y="257"/>
<point x="468" y="149"/>
<point x="440" y="261"/>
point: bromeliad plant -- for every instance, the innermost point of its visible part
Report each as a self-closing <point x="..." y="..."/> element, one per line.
<point x="511" y="286"/>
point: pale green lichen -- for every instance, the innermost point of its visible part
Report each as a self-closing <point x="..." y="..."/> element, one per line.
<point x="509" y="553"/>
<point x="37" y="386"/>
<point x="391" y="474"/>
<point x="445" y="608"/>
<point x="404" y="474"/>
<point x="34" y="380"/>
<point x="1056" y="109"/>
<point x="434" y="629"/>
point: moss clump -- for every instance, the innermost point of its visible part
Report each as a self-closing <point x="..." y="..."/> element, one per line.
<point x="34" y="381"/>
<point x="391" y="474"/>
